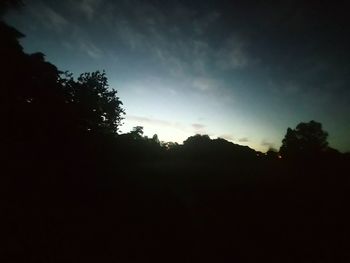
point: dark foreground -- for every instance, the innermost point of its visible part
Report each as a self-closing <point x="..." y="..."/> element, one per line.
<point x="74" y="190"/>
<point x="176" y="211"/>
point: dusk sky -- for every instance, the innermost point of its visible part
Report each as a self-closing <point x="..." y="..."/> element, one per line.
<point x="243" y="72"/>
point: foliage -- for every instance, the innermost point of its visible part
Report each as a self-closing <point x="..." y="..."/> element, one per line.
<point x="47" y="111"/>
<point x="202" y="147"/>
<point x="133" y="193"/>
<point x="137" y="132"/>
<point x="305" y="141"/>
<point x="96" y="107"/>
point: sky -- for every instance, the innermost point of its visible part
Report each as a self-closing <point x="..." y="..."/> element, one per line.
<point x="244" y="72"/>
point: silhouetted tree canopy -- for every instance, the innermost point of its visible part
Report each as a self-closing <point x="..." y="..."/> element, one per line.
<point x="272" y="154"/>
<point x="202" y="147"/>
<point x="44" y="109"/>
<point x="197" y="139"/>
<point x="77" y="191"/>
<point x="137" y="132"/>
<point x="95" y="106"/>
<point x="307" y="140"/>
<point x="155" y="139"/>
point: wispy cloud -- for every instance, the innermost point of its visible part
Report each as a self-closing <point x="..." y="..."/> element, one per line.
<point x="198" y="126"/>
<point x="129" y="35"/>
<point x="233" y="55"/>
<point x="206" y="84"/>
<point x="202" y="25"/>
<point x="48" y="17"/>
<point x="169" y="39"/>
<point x="79" y="43"/>
<point x="284" y="88"/>
<point x="228" y="137"/>
<point x="244" y="139"/>
<point x="148" y="120"/>
<point x="90" y="49"/>
<point x="86" y="7"/>
<point x="153" y="121"/>
<point x="267" y="144"/>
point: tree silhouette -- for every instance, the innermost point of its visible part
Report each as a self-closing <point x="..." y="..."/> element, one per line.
<point x="97" y="109"/>
<point x="137" y="132"/>
<point x="272" y="154"/>
<point x="307" y="140"/>
<point x="33" y="102"/>
<point x="68" y="182"/>
<point x="155" y="139"/>
<point x="196" y="140"/>
<point x="47" y="112"/>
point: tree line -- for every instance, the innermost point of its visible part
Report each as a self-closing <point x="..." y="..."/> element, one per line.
<point x="76" y="190"/>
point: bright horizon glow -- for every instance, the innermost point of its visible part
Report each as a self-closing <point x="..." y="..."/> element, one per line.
<point x="179" y="74"/>
<point x="172" y="134"/>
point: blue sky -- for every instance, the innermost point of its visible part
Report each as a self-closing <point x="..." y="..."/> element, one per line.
<point x="238" y="71"/>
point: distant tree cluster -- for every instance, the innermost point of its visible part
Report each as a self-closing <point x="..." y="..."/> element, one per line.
<point x="52" y="105"/>
<point x="47" y="104"/>
<point x="307" y="140"/>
